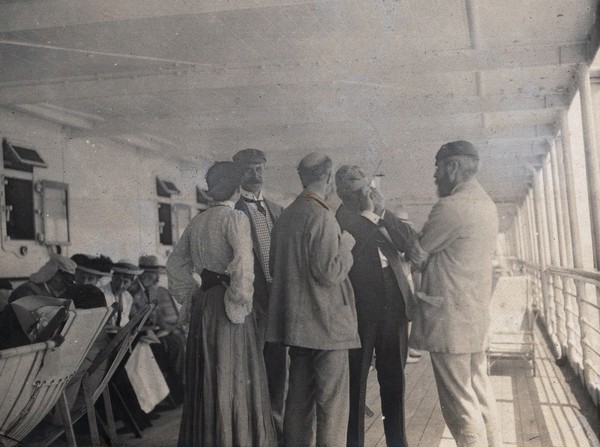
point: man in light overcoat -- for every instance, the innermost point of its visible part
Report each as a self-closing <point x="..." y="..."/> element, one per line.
<point x="452" y="316"/>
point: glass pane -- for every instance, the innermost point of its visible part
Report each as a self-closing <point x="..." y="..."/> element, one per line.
<point x="164" y="223"/>
<point x="20" y="223"/>
<point x="56" y="219"/>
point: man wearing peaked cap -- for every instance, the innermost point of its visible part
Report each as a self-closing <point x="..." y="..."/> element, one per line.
<point x="263" y="214"/>
<point x="459" y="147"/>
<point x="454" y="252"/>
<point x="246" y="156"/>
<point x="51" y="280"/>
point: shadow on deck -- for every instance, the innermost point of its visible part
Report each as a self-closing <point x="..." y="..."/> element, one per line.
<point x="549" y="410"/>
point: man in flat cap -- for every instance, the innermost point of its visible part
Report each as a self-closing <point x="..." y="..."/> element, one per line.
<point x="312" y="309"/>
<point x="51" y="280"/>
<point x="451" y="318"/>
<point x="263" y="214"/>
<point x="383" y="302"/>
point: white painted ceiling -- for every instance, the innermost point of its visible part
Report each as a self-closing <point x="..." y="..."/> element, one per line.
<point x="379" y="83"/>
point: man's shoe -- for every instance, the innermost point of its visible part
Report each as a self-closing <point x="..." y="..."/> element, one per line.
<point x="414" y="353"/>
<point x="410" y="359"/>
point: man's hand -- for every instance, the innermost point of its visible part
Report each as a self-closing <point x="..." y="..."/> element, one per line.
<point x="378" y="201"/>
<point x="347" y="240"/>
<point x="415" y="252"/>
<point x="365" y="201"/>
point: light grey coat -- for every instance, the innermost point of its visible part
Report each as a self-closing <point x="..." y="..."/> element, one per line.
<point x="452" y="309"/>
<point x="312" y="301"/>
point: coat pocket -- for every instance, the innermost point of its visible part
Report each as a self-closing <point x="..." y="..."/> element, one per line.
<point x="434" y="300"/>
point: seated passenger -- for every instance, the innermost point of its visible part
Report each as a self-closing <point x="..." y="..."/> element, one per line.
<point x="51" y="280"/>
<point x="140" y="382"/>
<point x="170" y="351"/>
<point x="115" y="291"/>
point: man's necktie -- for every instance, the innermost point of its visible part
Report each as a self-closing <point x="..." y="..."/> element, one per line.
<point x="119" y="309"/>
<point x="259" y="205"/>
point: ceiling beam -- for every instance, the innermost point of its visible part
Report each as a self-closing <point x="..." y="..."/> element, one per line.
<point x="20" y="16"/>
<point x="319" y="136"/>
<point x="248" y="116"/>
<point x="406" y="77"/>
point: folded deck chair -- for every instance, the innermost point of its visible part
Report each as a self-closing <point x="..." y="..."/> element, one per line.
<point x="512" y="322"/>
<point x="113" y="353"/>
<point x="33" y="377"/>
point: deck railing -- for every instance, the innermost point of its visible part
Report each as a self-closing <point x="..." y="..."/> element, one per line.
<point x="569" y="303"/>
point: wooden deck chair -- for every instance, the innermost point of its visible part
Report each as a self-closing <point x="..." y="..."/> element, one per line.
<point x="512" y="322"/>
<point x="114" y="352"/>
<point x="33" y="377"/>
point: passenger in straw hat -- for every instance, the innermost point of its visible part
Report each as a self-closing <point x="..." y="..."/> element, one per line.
<point x="116" y="291"/>
<point x="90" y="269"/>
<point x="169" y="353"/>
<point x="141" y="381"/>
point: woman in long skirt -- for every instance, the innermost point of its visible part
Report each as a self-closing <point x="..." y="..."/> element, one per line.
<point x="226" y="396"/>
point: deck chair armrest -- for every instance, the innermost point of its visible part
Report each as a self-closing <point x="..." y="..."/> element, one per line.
<point x="133" y="325"/>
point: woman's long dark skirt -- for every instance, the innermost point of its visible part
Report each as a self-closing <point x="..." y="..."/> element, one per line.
<point x="226" y="399"/>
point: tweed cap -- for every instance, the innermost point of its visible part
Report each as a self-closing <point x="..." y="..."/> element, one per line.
<point x="246" y="156"/>
<point x="55" y="263"/>
<point x="459" y="147"/>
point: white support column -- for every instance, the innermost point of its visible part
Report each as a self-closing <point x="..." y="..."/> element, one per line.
<point x="591" y="156"/>
<point x="580" y="289"/>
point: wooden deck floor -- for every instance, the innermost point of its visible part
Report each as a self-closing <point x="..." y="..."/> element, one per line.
<point x="548" y="410"/>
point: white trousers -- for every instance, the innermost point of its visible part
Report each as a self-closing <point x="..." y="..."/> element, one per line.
<point x="467" y="399"/>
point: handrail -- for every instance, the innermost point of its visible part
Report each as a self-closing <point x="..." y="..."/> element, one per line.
<point x="570" y="315"/>
<point x="593" y="276"/>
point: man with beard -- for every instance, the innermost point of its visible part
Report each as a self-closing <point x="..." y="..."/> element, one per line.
<point x="383" y="302"/>
<point x="263" y="214"/>
<point x="312" y="309"/>
<point x="451" y="317"/>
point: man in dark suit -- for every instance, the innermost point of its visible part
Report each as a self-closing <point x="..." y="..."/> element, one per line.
<point x="263" y="214"/>
<point x="383" y="302"/>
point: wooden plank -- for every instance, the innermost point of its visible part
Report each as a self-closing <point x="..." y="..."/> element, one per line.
<point x="541" y="411"/>
<point x="527" y="428"/>
<point x="434" y="429"/>
<point x="423" y="416"/>
<point x="502" y="386"/>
